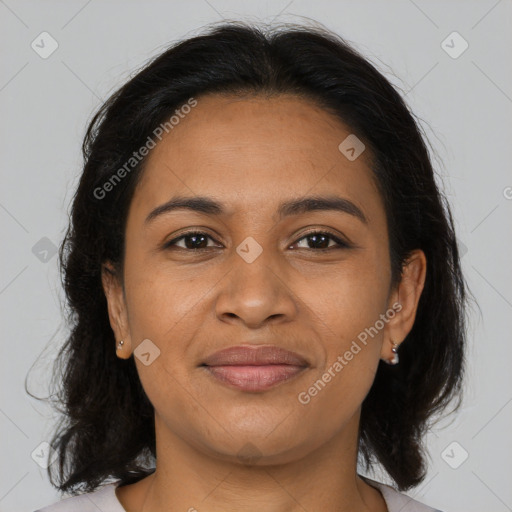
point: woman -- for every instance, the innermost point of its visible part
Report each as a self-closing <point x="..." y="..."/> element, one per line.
<point x="264" y="283"/>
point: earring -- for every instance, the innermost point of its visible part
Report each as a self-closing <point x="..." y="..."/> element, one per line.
<point x="394" y="360"/>
<point x="120" y="345"/>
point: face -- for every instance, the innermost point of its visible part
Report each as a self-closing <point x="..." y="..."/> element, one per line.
<point x="247" y="271"/>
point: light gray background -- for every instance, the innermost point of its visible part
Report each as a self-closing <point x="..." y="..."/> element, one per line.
<point x="466" y="105"/>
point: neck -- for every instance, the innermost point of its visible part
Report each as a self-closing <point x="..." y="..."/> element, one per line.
<point x="188" y="479"/>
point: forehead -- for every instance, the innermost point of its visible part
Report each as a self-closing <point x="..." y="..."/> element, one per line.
<point x="253" y="152"/>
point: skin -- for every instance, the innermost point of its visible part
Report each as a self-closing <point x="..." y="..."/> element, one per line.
<point x="251" y="154"/>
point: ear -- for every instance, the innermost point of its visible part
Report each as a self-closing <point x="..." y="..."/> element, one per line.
<point x="407" y="294"/>
<point x="117" y="311"/>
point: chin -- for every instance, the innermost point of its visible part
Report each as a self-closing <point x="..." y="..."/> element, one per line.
<point x="261" y="445"/>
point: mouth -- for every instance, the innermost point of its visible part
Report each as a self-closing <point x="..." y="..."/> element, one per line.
<point x="254" y="369"/>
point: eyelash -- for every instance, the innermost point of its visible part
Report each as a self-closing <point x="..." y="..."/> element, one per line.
<point x="341" y="244"/>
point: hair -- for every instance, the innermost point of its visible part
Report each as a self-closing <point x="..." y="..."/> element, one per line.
<point x="107" y="428"/>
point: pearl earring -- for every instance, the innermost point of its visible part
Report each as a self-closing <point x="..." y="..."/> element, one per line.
<point x="120" y="345"/>
<point x="394" y="360"/>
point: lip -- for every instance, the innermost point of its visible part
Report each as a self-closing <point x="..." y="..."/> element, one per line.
<point x="246" y="355"/>
<point x="254" y="368"/>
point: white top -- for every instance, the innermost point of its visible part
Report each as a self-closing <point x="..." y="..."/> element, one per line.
<point x="105" y="499"/>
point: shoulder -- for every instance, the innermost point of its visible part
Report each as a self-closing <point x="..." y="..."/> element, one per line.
<point x="397" y="501"/>
<point x="103" y="499"/>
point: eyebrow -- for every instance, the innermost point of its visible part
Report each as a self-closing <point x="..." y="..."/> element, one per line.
<point x="208" y="206"/>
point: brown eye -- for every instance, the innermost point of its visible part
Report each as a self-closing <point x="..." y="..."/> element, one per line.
<point x="320" y="240"/>
<point x="191" y="241"/>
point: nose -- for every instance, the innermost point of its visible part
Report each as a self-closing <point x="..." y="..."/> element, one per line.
<point x="256" y="293"/>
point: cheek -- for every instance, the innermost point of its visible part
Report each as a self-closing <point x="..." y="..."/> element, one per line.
<point x="348" y="314"/>
<point x="351" y="345"/>
<point x="353" y="297"/>
<point x="161" y="302"/>
<point x="168" y="308"/>
<point x="334" y="397"/>
<point x="161" y="309"/>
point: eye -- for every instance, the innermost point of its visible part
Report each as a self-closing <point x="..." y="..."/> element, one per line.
<point x="315" y="240"/>
<point x="192" y="240"/>
<point x="320" y="241"/>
